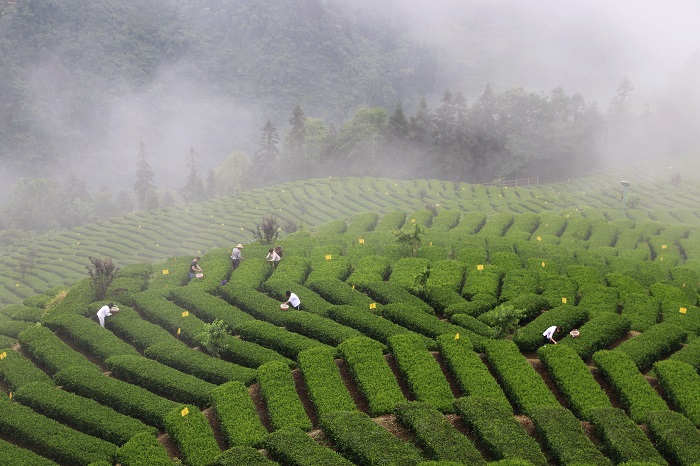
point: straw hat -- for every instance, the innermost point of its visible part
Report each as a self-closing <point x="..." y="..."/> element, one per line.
<point x="239" y="246"/>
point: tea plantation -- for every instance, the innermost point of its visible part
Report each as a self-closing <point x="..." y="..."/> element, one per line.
<point x="431" y="355"/>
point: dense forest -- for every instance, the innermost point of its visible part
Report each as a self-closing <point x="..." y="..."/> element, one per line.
<point x="113" y="106"/>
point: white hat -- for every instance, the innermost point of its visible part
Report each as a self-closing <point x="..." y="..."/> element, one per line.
<point x="239" y="246"/>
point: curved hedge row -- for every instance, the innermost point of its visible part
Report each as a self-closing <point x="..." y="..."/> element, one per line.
<point x="238" y="419"/>
<point x="281" y="398"/>
<point x="324" y="383"/>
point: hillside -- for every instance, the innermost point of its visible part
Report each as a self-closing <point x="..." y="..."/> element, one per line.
<point x="442" y="348"/>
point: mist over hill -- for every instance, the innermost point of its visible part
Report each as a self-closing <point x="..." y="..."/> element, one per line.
<point x="83" y="83"/>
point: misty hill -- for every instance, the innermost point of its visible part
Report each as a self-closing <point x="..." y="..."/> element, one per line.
<point x="59" y="258"/>
<point x="74" y="71"/>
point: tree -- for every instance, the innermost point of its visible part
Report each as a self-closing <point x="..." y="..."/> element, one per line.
<point x="233" y="175"/>
<point x="412" y="239"/>
<point x="212" y="339"/>
<point x="193" y="190"/>
<point x="266" y="155"/>
<point x="267" y="231"/>
<point x="144" y="177"/>
<point x="398" y="125"/>
<point x="297" y="135"/>
<point x="102" y="272"/>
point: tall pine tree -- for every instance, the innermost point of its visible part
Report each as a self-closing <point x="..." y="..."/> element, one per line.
<point x="144" y="177"/>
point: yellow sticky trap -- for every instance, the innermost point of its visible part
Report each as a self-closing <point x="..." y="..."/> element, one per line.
<point x="543" y="264"/>
<point x="185" y="314"/>
<point x="563" y="300"/>
<point x="166" y="272"/>
<point x="10" y="395"/>
<point x="353" y="287"/>
<point x="77" y="242"/>
<point x="3" y="355"/>
<point x="539" y="238"/>
<point x="328" y="257"/>
<point x="663" y="246"/>
<point x="373" y="305"/>
<point x="362" y="241"/>
<point x="480" y="267"/>
<point x="683" y="310"/>
<point x="413" y="220"/>
<point x="456" y="336"/>
<point x="683" y="284"/>
<point x="185" y="411"/>
<point x="567" y="215"/>
<point x="178" y="330"/>
<point x="661" y="258"/>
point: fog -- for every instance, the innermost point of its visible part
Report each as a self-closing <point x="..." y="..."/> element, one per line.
<point x="584" y="46"/>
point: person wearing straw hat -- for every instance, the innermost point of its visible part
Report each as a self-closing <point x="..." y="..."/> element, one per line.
<point x="236" y="256"/>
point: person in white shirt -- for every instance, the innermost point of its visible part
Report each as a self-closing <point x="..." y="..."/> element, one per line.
<point x="236" y="256"/>
<point x="292" y="300"/>
<point x="273" y="257"/>
<point x="549" y="334"/>
<point x="105" y="311"/>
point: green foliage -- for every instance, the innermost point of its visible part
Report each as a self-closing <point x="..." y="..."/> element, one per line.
<point x="624" y="440"/>
<point x="529" y="337"/>
<point x="410" y="238"/>
<point x="237" y="416"/>
<point x="83" y="414"/>
<point x="12" y="454"/>
<point x="681" y="384"/>
<point x="178" y="356"/>
<point x="637" y="396"/>
<point x="49" y="351"/>
<point x="503" y="319"/>
<point x="437" y="437"/>
<point x="213" y="337"/>
<point x="521" y="384"/>
<point x="90" y="337"/>
<point x="193" y="435"/>
<point x="422" y="372"/>
<point x="102" y="273"/>
<point x="361" y="440"/>
<point x="564" y="436"/>
<point x="52" y="439"/>
<point x="16" y="371"/>
<point x="286" y="343"/>
<point x="598" y="333"/>
<point x="325" y="386"/>
<point x="161" y="379"/>
<point x="654" y="344"/>
<point x="279" y="392"/>
<point x="241" y="456"/>
<point x="373" y="377"/>
<point x="675" y="436"/>
<point x="143" y="449"/>
<point x="574" y="380"/>
<point x="498" y="431"/>
<point x="292" y="445"/>
<point x="267" y="231"/>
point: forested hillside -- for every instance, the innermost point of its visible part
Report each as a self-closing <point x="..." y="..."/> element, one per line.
<point x="68" y="62"/>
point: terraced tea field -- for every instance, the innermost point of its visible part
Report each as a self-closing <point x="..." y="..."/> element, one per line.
<point x="393" y="358"/>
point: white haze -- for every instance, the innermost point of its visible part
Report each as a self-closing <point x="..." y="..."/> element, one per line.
<point x="584" y="46"/>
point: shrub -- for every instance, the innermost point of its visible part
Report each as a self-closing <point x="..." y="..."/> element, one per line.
<point x="160" y="311"/>
<point x="565" y="438"/>
<point x="437" y="437"/>
<point x="279" y="392"/>
<point x="654" y="344"/>
<point x="287" y="343"/>
<point x="521" y="384"/>
<point x="83" y="414"/>
<point x="336" y="291"/>
<point x="573" y="379"/>
<point x="475" y="325"/>
<point x="121" y="396"/>
<point x="242" y="456"/>
<point x="642" y="310"/>
<point x="12" y="328"/>
<point x="11" y="454"/>
<point x="369" y="324"/>
<point x="238" y="418"/>
<point x="598" y="333"/>
<point x="294" y="446"/>
<point x="624" y="440"/>
<point x="517" y="282"/>
<point x="208" y="307"/>
<point x="422" y="372"/>
<point x="90" y="337"/>
<point x="479" y="304"/>
<point x="373" y="377"/>
<point x="161" y="379"/>
<point x="636" y="395"/>
<point x="49" y="351"/>
<point x="689" y="354"/>
<point x="143" y="449"/>
<point x="50" y="438"/>
<point x="192" y="434"/>
<point x="388" y="293"/>
<point x="361" y="440"/>
<point x="418" y="321"/>
<point x="324" y="383"/>
<point x="675" y="437"/>
<point x="599" y="298"/>
<point x="470" y="373"/>
<point x="498" y="431"/>
<point x="16" y="371"/>
<point x="129" y="326"/>
<point x="484" y="281"/>
<point x="681" y="384"/>
<point x="529" y="337"/>
<point x="198" y="364"/>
